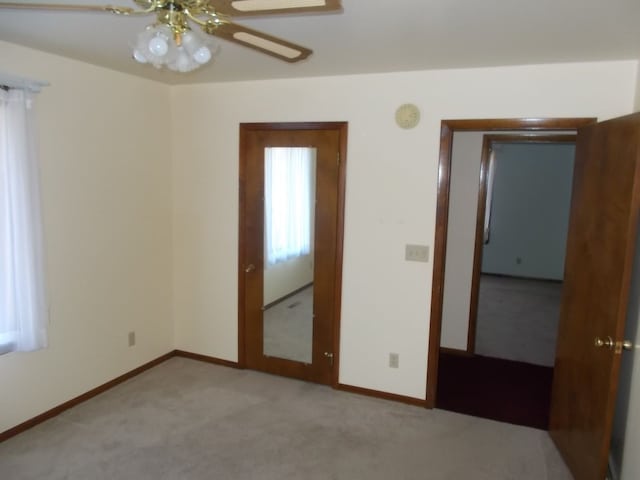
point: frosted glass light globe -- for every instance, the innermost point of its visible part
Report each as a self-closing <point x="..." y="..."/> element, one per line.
<point x="158" y="46"/>
<point x="139" y="56"/>
<point x="202" y="55"/>
<point x="188" y="39"/>
<point x="182" y="63"/>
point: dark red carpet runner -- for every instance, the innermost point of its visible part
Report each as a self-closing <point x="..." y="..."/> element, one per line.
<point x="502" y="390"/>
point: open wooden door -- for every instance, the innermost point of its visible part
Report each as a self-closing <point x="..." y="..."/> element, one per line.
<point x="600" y="250"/>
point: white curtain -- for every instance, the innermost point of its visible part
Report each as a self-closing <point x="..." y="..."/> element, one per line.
<point x="23" y="307"/>
<point x="287" y="202"/>
<point x="491" y="174"/>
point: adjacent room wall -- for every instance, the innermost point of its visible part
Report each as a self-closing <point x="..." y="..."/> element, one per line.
<point x="626" y="434"/>
<point x="105" y="166"/>
<point x="466" y="154"/>
<point x="530" y="210"/>
<point x="625" y="440"/>
<point x="637" y="102"/>
<point x="463" y="204"/>
<point x="390" y="193"/>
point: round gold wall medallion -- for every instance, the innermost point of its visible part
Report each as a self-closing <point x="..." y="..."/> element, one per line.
<point x="407" y="116"/>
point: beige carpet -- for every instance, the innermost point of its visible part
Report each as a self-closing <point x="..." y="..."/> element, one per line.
<point x="518" y="319"/>
<point x="191" y="420"/>
<point x="288" y="327"/>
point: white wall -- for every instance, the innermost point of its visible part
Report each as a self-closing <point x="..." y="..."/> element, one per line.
<point x="530" y="210"/>
<point x="390" y="193"/>
<point x="105" y="155"/>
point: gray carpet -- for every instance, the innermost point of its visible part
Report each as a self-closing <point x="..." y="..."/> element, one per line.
<point x="288" y="327"/>
<point x="191" y="420"/>
<point x="518" y="319"/>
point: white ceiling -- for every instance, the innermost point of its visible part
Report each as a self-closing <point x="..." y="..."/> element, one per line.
<point x="368" y="36"/>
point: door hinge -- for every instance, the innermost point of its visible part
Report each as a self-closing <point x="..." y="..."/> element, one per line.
<point x="338" y="159"/>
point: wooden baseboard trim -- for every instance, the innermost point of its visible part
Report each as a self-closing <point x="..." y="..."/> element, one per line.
<point x="384" y="395"/>
<point x="82" y="398"/>
<point x="206" y="358"/>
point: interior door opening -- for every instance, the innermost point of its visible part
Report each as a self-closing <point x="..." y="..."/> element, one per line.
<point x="600" y="252"/>
<point x="503" y="368"/>
<point x="290" y="261"/>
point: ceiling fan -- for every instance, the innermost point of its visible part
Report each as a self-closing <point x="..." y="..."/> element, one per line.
<point x="171" y="42"/>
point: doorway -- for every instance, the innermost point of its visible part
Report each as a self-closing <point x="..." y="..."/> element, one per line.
<point x="504" y="270"/>
<point x="519" y="126"/>
<point x="292" y="180"/>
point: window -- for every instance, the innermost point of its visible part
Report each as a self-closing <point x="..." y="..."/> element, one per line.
<point x="288" y="202"/>
<point x="23" y="307"/>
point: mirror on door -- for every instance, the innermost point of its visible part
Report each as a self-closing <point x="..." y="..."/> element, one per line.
<point x="289" y="217"/>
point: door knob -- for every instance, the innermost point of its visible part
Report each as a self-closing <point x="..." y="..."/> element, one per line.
<point x="606" y="342"/>
<point x="250" y="268"/>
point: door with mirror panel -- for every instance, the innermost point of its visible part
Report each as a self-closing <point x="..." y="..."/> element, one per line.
<point x="291" y="209"/>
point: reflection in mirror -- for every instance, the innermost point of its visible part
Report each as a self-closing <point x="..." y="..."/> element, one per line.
<point x="289" y="216"/>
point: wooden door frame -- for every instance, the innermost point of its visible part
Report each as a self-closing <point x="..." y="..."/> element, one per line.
<point x="342" y="129"/>
<point x="447" y="129"/>
<point x="487" y="145"/>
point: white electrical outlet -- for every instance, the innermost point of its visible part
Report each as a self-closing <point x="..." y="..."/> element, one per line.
<point x="394" y="360"/>
<point x="132" y="339"/>
<point x="416" y="253"/>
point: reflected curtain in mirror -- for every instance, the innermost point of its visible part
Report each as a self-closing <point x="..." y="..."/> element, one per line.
<point x="288" y="200"/>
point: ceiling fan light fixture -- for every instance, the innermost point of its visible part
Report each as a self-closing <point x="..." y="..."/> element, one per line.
<point x="267" y="44"/>
<point x="202" y="55"/>
<point x="258" y="5"/>
<point x="179" y="51"/>
<point x="171" y="43"/>
<point x="158" y="45"/>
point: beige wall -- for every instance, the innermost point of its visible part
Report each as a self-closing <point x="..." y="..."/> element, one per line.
<point x="105" y="155"/>
<point x="390" y="193"/>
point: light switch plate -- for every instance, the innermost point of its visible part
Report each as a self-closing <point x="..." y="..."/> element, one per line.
<point x="416" y="253"/>
<point x="394" y="360"/>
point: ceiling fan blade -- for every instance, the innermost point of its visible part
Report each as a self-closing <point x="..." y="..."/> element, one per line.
<point x="238" y="8"/>
<point x="61" y="7"/>
<point x="276" y="47"/>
